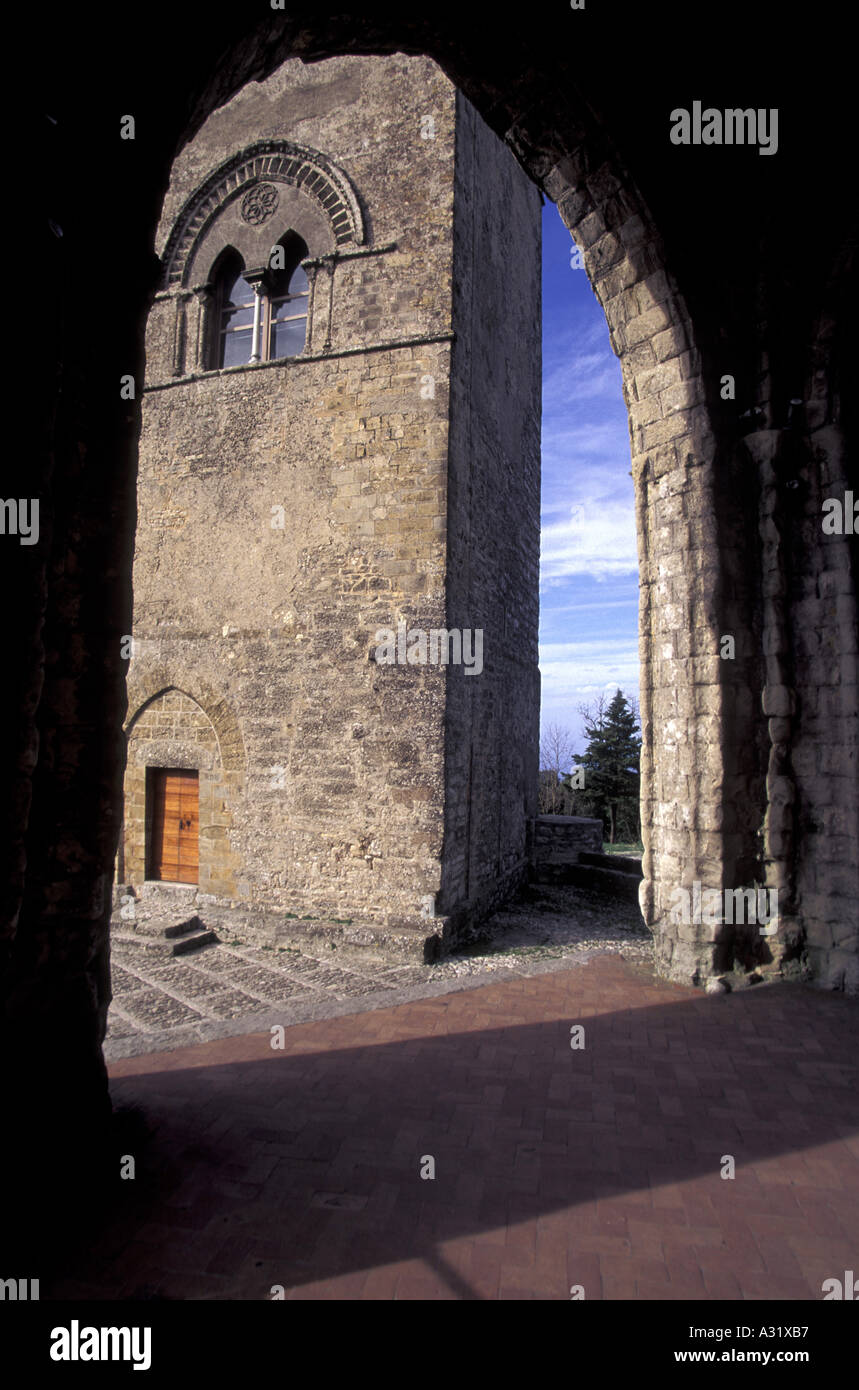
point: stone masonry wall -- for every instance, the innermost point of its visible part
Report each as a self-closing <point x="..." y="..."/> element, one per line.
<point x="492" y="729"/>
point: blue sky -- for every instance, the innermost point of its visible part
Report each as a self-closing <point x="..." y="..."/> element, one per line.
<point x="589" y="562"/>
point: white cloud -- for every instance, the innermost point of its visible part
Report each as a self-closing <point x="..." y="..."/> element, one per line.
<point x="588" y="509"/>
<point x="589" y="663"/>
<point x="577" y="673"/>
<point x="580" y="377"/>
<point x="596" y="538"/>
<point x="570" y="447"/>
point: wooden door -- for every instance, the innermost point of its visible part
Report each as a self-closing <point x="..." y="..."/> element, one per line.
<point x="174" y="853"/>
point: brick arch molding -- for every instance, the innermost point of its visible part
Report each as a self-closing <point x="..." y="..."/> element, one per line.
<point x="271" y="161"/>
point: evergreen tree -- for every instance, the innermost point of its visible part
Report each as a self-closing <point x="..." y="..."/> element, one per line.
<point x="611" y="761"/>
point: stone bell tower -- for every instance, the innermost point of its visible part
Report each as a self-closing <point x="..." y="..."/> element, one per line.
<point x="341" y="430"/>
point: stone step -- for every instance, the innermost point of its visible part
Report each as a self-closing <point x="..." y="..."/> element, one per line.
<point x="191" y="924"/>
<point x="165" y="899"/>
<point x="620" y="863"/>
<point x="193" y="941"/>
<point x="176" y="939"/>
<point x="369" y="939"/>
<point x="162" y="925"/>
<point x="606" y="881"/>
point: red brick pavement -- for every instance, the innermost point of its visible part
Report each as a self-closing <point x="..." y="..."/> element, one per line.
<point x="555" y="1167"/>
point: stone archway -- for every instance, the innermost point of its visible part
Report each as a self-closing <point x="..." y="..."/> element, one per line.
<point x="673" y="449"/>
<point x="172" y="729"/>
<point x="721" y="221"/>
<point x="683" y="777"/>
<point x="701" y="810"/>
<point x="213" y="703"/>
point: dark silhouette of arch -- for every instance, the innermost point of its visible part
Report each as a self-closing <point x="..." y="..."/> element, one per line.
<point x="598" y="148"/>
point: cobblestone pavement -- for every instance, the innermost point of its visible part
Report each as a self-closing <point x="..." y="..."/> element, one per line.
<point x="231" y="988"/>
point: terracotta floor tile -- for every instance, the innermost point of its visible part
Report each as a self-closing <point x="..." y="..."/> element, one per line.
<point x="598" y="1168"/>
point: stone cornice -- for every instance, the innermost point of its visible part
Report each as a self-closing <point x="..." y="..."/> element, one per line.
<point x="389" y="346"/>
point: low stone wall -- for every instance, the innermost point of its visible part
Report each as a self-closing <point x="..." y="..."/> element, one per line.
<point x="559" y="840"/>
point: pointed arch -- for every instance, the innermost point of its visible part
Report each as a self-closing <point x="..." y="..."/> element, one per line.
<point x="256" y="172"/>
<point x="214" y="705"/>
<point x="226" y="259"/>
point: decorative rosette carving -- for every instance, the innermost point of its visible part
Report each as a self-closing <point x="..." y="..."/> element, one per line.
<point x="259" y="204"/>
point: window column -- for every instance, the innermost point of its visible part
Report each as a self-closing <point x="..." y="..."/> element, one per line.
<point x="310" y="269"/>
<point x="206" y="328"/>
<point x="179" y="330"/>
<point x="255" y="279"/>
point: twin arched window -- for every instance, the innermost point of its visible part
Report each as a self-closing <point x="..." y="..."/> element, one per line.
<point x="244" y="331"/>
